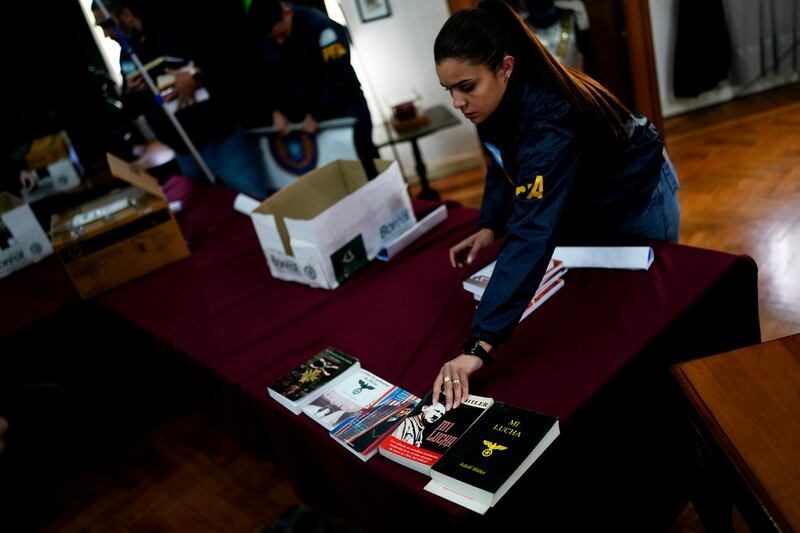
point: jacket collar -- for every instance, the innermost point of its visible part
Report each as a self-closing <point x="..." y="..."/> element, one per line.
<point x="500" y="124"/>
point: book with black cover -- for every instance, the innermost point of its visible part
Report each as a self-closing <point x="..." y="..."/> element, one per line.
<point x="429" y="431"/>
<point x="313" y="378"/>
<point x="485" y="462"/>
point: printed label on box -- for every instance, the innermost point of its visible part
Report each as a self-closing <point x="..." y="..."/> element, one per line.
<point x="401" y="221"/>
<point x="349" y="259"/>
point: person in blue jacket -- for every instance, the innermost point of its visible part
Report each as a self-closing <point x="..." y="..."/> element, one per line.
<point x="309" y="77"/>
<point x="568" y="162"/>
<point x="180" y="30"/>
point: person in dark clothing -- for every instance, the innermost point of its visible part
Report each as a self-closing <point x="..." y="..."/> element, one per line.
<point x="568" y="162"/>
<point x="205" y="88"/>
<point x="307" y="60"/>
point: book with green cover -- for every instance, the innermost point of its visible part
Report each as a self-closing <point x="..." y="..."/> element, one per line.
<point x="313" y="378"/>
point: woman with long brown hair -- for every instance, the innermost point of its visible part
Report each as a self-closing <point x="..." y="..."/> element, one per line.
<point x="568" y="162"/>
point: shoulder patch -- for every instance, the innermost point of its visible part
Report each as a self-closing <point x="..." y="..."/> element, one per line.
<point x="498" y="157"/>
<point x="327" y="36"/>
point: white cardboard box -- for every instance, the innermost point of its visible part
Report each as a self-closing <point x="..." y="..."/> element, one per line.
<point x="330" y="223"/>
<point x="22" y="239"/>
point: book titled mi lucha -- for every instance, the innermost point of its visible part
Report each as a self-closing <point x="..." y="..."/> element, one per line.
<point x="491" y="456"/>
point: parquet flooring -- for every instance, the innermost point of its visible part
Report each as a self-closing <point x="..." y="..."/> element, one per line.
<point x="185" y="475"/>
<point x="740" y="193"/>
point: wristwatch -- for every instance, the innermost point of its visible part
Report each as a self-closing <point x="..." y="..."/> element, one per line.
<point x="472" y="346"/>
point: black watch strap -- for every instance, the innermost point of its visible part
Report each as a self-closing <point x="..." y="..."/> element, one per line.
<point x="472" y="346"/>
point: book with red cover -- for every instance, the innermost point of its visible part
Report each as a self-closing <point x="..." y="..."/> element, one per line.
<point x="478" y="282"/>
<point x="429" y="431"/>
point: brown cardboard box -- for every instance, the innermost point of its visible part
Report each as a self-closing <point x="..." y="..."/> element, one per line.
<point x="119" y="237"/>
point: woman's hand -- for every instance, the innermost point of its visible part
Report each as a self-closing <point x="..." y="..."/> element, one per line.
<point x="28" y="179"/>
<point x="465" y="252"/>
<point x="185" y="86"/>
<point x="453" y="379"/>
<point x="280" y="123"/>
<point x="309" y="125"/>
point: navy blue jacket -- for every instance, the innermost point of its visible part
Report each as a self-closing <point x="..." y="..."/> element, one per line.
<point x="545" y="183"/>
<point x="311" y="73"/>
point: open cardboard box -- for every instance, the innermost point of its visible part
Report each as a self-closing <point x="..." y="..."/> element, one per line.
<point x="120" y="236"/>
<point x="330" y="223"/>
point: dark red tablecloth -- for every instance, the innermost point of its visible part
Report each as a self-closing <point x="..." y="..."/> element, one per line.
<point x="403" y="319"/>
<point x="237" y="330"/>
<point x="34" y="293"/>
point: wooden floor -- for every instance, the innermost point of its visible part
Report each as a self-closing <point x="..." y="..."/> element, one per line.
<point x="740" y="193"/>
<point x="739" y="166"/>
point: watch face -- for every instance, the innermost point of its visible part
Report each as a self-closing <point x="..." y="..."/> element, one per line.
<point x="470" y="346"/>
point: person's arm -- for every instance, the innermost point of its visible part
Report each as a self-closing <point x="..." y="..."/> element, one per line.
<point x="496" y="202"/>
<point x="495" y="208"/>
<point x="548" y="162"/>
<point x="550" y="150"/>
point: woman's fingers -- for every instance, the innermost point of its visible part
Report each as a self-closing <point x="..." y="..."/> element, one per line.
<point x="458" y="251"/>
<point x="464" y="378"/>
<point x="437" y="387"/>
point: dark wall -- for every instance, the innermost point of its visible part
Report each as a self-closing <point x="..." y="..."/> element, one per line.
<point x="611" y="48"/>
<point x="50" y="56"/>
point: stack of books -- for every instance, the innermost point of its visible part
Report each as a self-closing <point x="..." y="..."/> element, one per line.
<point x="473" y="453"/>
<point x="358" y="408"/>
<point x="552" y="282"/>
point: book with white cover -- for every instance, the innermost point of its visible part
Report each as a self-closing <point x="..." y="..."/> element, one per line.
<point x="352" y="395"/>
<point x="620" y="257"/>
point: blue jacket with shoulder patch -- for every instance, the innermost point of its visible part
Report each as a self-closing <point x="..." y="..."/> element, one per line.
<point x="545" y="183"/>
<point x="311" y="73"/>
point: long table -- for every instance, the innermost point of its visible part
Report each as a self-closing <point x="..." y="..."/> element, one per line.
<point x="593" y="355"/>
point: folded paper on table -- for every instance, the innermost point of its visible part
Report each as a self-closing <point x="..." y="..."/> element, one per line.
<point x="434" y="218"/>
<point x="245" y="204"/>
<point x="624" y="257"/>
